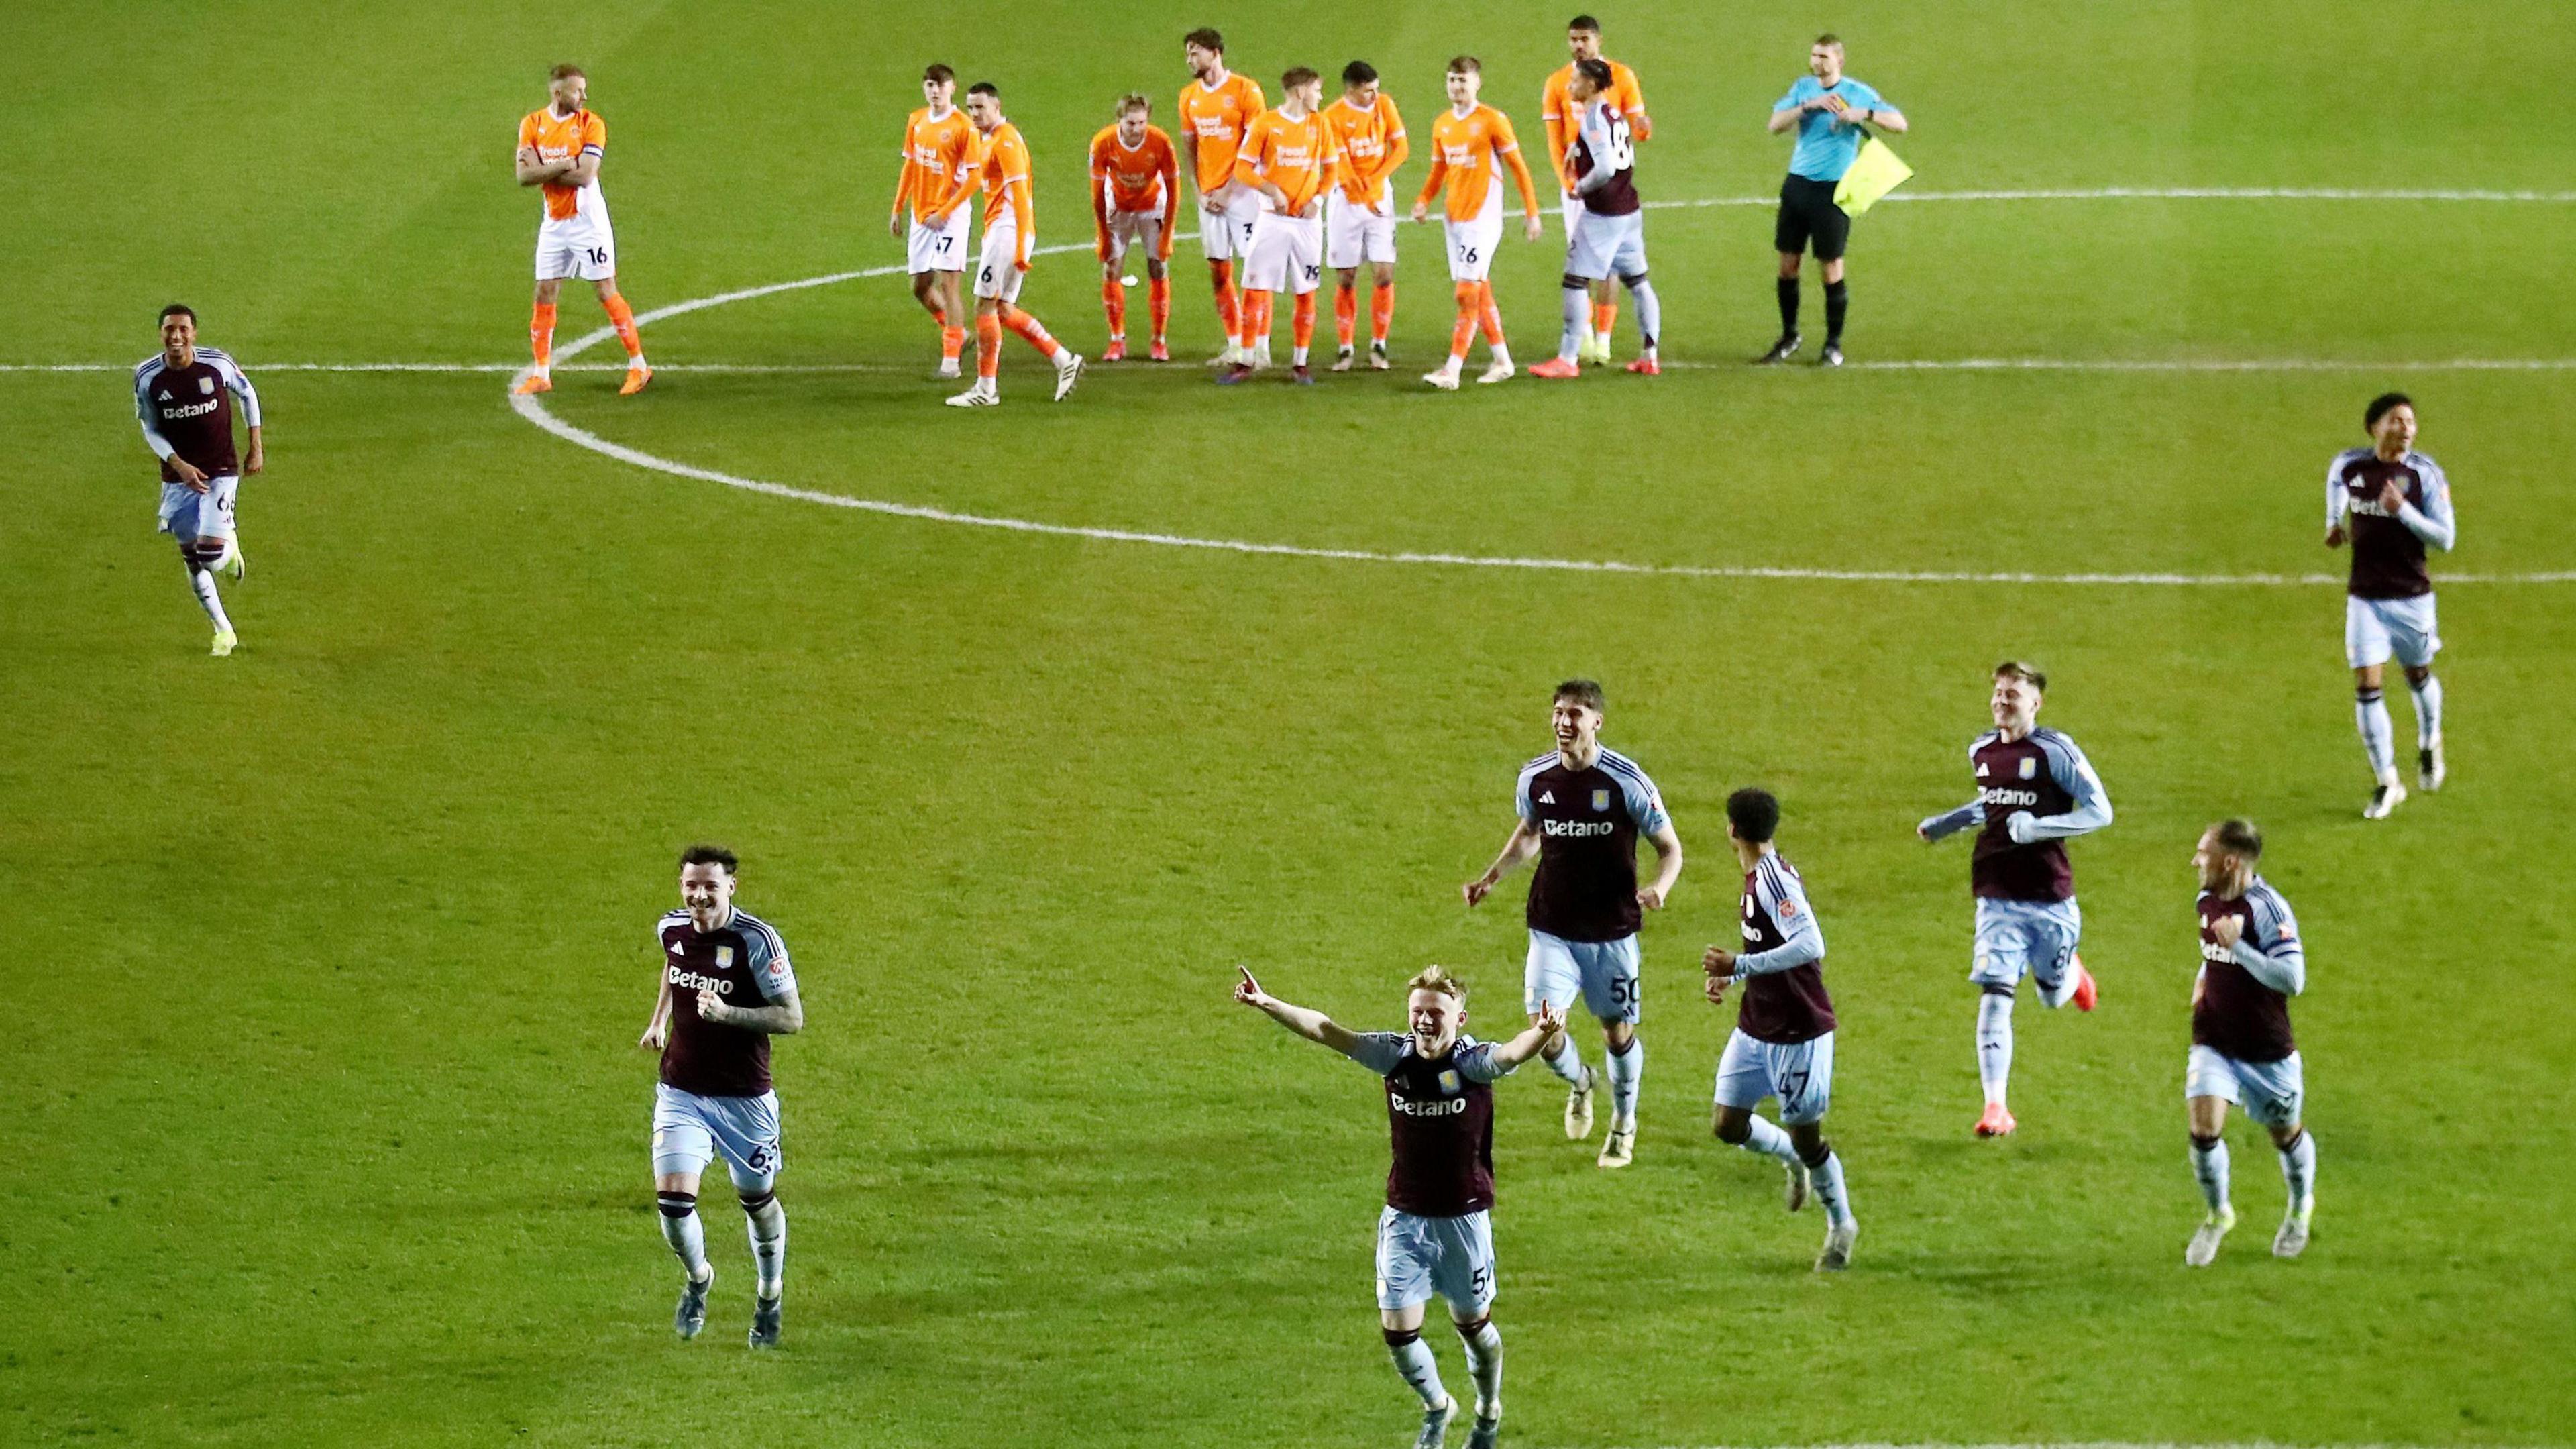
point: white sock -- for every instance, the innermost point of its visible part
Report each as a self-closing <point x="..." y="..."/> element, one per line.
<point x="1297" y="357"/>
<point x="2428" y="712"/>
<point x="1485" y="1365"/>
<point x="1413" y="1361"/>
<point x="683" y="1230"/>
<point x="1567" y="1063"/>
<point x="2299" y="1170"/>
<point x="1625" y="1070"/>
<point x="1650" y="314"/>
<point x="1769" y="1139"/>
<point x="1828" y="1178"/>
<point x="1578" y="324"/>
<point x="2370" y="716"/>
<point x="2209" y="1167"/>
<point x="203" y="581"/>
<point x="2063" y="992"/>
<point x="1502" y="355"/>
<point x="634" y="360"/>
<point x="768" y="1227"/>
<point x="1994" y="1044"/>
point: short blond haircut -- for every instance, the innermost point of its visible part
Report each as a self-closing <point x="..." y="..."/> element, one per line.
<point x="1135" y="101"/>
<point x="1437" y="978"/>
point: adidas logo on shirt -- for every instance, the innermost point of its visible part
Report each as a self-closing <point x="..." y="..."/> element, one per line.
<point x="1547" y="797"/>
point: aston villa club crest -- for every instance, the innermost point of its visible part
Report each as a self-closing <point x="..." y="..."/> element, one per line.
<point x="2029" y="766"/>
<point x="1449" y="1084"/>
<point x="206" y="386"/>
<point x="724" y="957"/>
<point x="1600" y="799"/>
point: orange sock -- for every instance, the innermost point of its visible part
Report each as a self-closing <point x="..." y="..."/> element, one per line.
<point x="1221" y="277"/>
<point x="1492" y="315"/>
<point x="952" y="341"/>
<point x="988" y="345"/>
<point x="1605" y="317"/>
<point x="1113" y="300"/>
<point x="1346" y="314"/>
<point x="1160" y="290"/>
<point x="1381" y="312"/>
<point x="1301" y="322"/>
<point x="1030" y="330"/>
<point x="1471" y="304"/>
<point x="541" y="334"/>
<point x="622" y="317"/>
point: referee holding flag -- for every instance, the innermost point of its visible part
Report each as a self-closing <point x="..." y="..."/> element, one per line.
<point x="1828" y="109"/>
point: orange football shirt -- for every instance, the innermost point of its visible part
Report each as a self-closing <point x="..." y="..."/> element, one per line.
<point x="1219" y="116"/>
<point x="561" y="138"/>
<point x="1006" y="183"/>
<point x="1295" y="156"/>
<point x="1468" y="153"/>
<point x="1558" y="111"/>
<point x="1137" y="180"/>
<point x="1372" y="146"/>
<point x="938" y="165"/>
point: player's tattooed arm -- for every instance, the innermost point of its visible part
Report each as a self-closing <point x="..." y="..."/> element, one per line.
<point x="657" y="1031"/>
<point x="1521" y="846"/>
<point x="1314" y="1026"/>
<point x="783" y="1017"/>
<point x="536" y="172"/>
<point x="1668" y="868"/>
<point x="1550" y="1025"/>
<point x="1966" y="817"/>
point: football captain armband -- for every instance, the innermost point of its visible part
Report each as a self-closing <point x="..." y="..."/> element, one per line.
<point x="1966" y="817"/>
<point x="1872" y="174"/>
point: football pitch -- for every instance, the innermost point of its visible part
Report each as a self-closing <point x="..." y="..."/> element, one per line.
<point x="327" y="1123"/>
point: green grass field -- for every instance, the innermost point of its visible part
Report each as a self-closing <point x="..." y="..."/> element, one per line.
<point x="326" y="1124"/>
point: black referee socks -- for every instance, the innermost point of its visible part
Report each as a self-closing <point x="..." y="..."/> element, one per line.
<point x="1837" y="305"/>
<point x="1788" y="306"/>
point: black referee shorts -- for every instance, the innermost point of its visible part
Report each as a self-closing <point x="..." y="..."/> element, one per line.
<point x="1808" y="214"/>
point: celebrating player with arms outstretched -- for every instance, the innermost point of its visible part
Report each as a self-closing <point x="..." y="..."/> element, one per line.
<point x="1135" y="182"/>
<point x="1436" y="1234"/>
<point x="1217" y="108"/>
<point x="1471" y="143"/>
<point x="2393" y="503"/>
<point x="1561" y="112"/>
<point x="715" y="1098"/>
<point x="1581" y="809"/>
<point x="1359" y="214"/>
<point x="1606" y="235"/>
<point x="2251" y="964"/>
<point x="1783" y="1044"/>
<point x="1288" y="159"/>
<point x="561" y="146"/>
<point x="1010" y="231"/>
<point x="937" y="183"/>
<point x="2035" y="789"/>
<point x="183" y="398"/>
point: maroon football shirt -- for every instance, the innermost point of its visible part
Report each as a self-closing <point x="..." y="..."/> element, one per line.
<point x="742" y="962"/>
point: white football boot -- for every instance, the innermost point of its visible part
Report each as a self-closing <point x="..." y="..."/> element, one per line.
<point x="2203" y="1248"/>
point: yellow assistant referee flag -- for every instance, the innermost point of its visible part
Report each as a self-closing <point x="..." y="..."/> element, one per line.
<point x="1872" y="174"/>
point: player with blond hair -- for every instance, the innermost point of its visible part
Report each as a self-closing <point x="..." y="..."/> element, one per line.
<point x="1359" y="214"/>
<point x="561" y="146"/>
<point x="1471" y="144"/>
<point x="1135" y="178"/>
<point x="937" y="183"/>
<point x="1217" y="107"/>
<point x="1436" y="1235"/>
<point x="1010" y="228"/>
<point x="1562" y="114"/>
<point x="1288" y="158"/>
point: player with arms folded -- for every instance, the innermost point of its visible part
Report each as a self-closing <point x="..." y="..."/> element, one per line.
<point x="1135" y="179"/>
<point x="1359" y="214"/>
<point x="1217" y="108"/>
<point x="727" y="989"/>
<point x="1288" y="159"/>
<point x="1561" y="113"/>
<point x="1606" y="235"/>
<point x="1471" y="144"/>
<point x="1436" y="1234"/>
<point x="2035" y="791"/>
<point x="183" y="397"/>
<point x="561" y="146"/>
<point x="937" y="183"/>
<point x="2251" y="964"/>
<point x="2392" y="503"/>
<point x="1581" y="808"/>
<point x="1783" y="1043"/>
<point x="1010" y="232"/>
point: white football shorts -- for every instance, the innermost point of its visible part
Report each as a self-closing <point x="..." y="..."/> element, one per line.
<point x="938" y="248"/>
<point x="1141" y="229"/>
<point x="1602" y="247"/>
<point x="2014" y="937"/>
<point x="1419" y="1256"/>
<point x="1800" y="1074"/>
<point x="2272" y="1093"/>
<point x="998" y="273"/>
<point x="188" y="514"/>
<point x="1287" y="255"/>
<point x="689" y="1131"/>
<point x="1570" y="207"/>
<point x="1226" y="235"/>
<point x="1603" y="973"/>
<point x="1352" y="234"/>
<point x="2374" y="629"/>
<point x="576" y="247"/>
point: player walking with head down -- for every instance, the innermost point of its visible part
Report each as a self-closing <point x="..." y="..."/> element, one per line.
<point x="727" y="989"/>
<point x="1606" y="232"/>
<point x="1783" y="1044"/>
<point x="183" y="397"/>
<point x="938" y="184"/>
<point x="1471" y="144"/>
<point x="1436" y="1234"/>
<point x="2035" y="790"/>
<point x="1135" y="181"/>
<point x="2251" y="964"/>
<point x="561" y="147"/>
<point x="2392" y="503"/>
<point x="1010" y="231"/>
<point x="1581" y="808"/>
<point x="1359" y="214"/>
